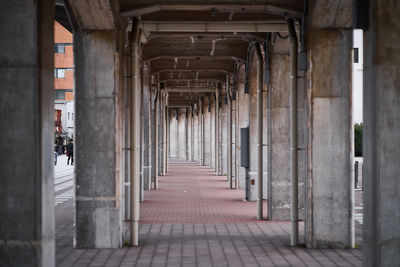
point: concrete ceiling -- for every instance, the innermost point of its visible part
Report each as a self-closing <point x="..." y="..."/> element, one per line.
<point x="191" y="43"/>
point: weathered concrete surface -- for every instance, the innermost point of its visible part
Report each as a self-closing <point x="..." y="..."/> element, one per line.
<point x="224" y="139"/>
<point x="27" y="126"/>
<point x="189" y="134"/>
<point x="107" y="227"/>
<point x="173" y="135"/>
<point x="146" y="126"/>
<point x="330" y="187"/>
<point x="181" y="153"/>
<point x="253" y="129"/>
<point x="279" y="178"/>
<point x="381" y="142"/>
<point x="243" y="121"/>
<point x="196" y="133"/>
<point x="207" y="134"/>
<point x="212" y="132"/>
<point x="95" y="114"/>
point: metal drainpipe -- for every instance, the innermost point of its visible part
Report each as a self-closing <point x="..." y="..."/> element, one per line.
<point x="216" y="131"/>
<point x="167" y="132"/>
<point x="229" y="144"/>
<point x="155" y="137"/>
<point x="259" y="132"/>
<point x="135" y="137"/>
<point x="200" y="117"/>
<point x="293" y="135"/>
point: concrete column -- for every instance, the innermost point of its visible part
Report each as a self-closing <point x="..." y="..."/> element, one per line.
<point x="96" y="195"/>
<point x="216" y="131"/>
<point x="146" y="122"/>
<point x="278" y="140"/>
<point x="193" y="135"/>
<point x="168" y="132"/>
<point x="201" y="126"/>
<point x="243" y="121"/>
<point x="224" y="138"/>
<point x="27" y="112"/>
<point x="173" y="140"/>
<point x="252" y="117"/>
<point x="189" y="133"/>
<point x="155" y="133"/>
<point x="207" y="133"/>
<point x="329" y="219"/>
<point x="211" y="136"/>
<point x="381" y="143"/>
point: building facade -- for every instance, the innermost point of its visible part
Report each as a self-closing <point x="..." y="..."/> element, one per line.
<point x="63" y="82"/>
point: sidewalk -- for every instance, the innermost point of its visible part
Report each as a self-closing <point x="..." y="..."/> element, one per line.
<point x="208" y="225"/>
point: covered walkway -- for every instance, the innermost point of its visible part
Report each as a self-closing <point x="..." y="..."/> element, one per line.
<point x="195" y="220"/>
<point x="191" y="193"/>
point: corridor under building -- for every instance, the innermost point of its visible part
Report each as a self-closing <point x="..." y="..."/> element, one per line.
<point x="195" y="220"/>
<point x="206" y="133"/>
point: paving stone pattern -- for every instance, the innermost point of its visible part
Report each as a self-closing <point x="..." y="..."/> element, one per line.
<point x="212" y="227"/>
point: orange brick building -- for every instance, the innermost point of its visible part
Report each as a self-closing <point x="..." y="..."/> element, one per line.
<point x="63" y="81"/>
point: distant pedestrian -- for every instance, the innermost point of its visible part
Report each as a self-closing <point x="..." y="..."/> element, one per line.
<point x="70" y="152"/>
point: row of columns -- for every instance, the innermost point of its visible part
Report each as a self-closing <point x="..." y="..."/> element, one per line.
<point x="325" y="137"/>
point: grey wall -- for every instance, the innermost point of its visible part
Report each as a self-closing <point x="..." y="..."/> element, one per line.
<point x="27" y="112"/>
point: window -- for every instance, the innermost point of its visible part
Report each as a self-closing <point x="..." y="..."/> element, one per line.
<point x="59" y="73"/>
<point x="59" y="94"/>
<point x="68" y="115"/>
<point x="356" y="55"/>
<point x="59" y="48"/>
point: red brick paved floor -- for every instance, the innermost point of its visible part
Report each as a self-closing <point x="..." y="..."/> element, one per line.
<point x="190" y="193"/>
<point x="225" y="232"/>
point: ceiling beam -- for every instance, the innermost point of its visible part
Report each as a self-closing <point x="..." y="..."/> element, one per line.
<point x="210" y="35"/>
<point x="212" y="27"/>
<point x="209" y="58"/>
<point x="190" y="90"/>
<point x="270" y="9"/>
<point x="194" y="70"/>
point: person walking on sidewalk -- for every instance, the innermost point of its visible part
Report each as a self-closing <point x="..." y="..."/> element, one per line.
<point x="70" y="151"/>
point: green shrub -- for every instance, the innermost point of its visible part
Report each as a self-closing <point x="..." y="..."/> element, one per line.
<point x="358" y="127"/>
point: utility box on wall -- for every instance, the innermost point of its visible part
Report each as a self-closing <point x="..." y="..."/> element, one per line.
<point x="244" y="147"/>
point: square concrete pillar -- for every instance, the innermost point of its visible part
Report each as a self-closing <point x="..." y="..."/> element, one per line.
<point x="146" y="134"/>
<point x="381" y="136"/>
<point x="224" y="138"/>
<point x="196" y="131"/>
<point x="329" y="221"/>
<point x="207" y="133"/>
<point x="278" y="125"/>
<point x="243" y="122"/>
<point x="27" y="127"/>
<point x="96" y="115"/>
